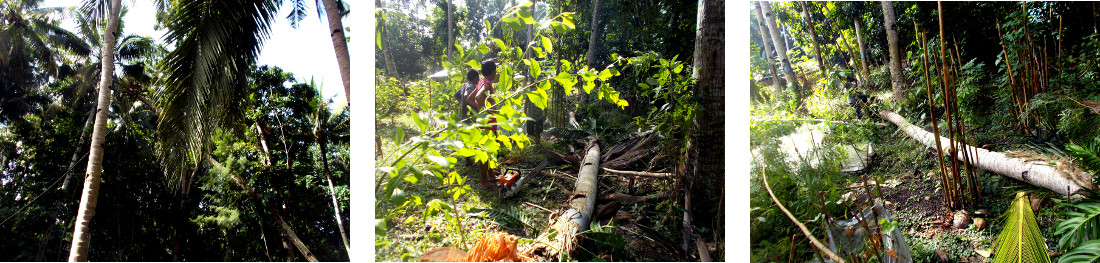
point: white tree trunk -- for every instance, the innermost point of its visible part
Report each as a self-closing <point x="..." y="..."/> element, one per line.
<point x="781" y="50"/>
<point x="1033" y="172"/>
<point x="82" y="233"/>
<point x="340" y="44"/>
<point x="765" y="37"/>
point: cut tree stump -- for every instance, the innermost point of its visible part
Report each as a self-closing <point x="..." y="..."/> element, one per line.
<point x="1033" y="172"/>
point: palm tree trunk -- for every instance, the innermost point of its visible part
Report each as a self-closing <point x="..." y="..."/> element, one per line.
<point x="76" y="152"/>
<point x="340" y="44"/>
<point x="895" y="55"/>
<point x="766" y="36"/>
<point x="781" y="50"/>
<point x="594" y="36"/>
<point x="332" y="192"/>
<point x="450" y="30"/>
<point x="82" y="234"/>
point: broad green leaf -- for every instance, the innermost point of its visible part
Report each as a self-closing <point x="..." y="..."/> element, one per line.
<point x="538" y="98"/>
<point x="474" y="64"/>
<point x="538" y="52"/>
<point x="507" y="110"/>
<point x="605" y="74"/>
<point x="535" y="68"/>
<point x="567" y="81"/>
<point x="500" y="43"/>
<point x="525" y="14"/>
<point x="519" y="139"/>
<point x="412" y="178"/>
<point x="546" y="44"/>
<point x="483" y="48"/>
<point x="440" y="160"/>
<point x="488" y="27"/>
<point x="465" y="152"/>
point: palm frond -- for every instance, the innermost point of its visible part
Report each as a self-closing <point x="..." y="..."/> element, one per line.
<point x="1021" y="240"/>
<point x="204" y="77"/>
<point x="1087" y="252"/>
<point x="298" y="13"/>
<point x="1086" y="155"/>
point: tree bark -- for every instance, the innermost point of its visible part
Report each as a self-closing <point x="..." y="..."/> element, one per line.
<point x="862" y="52"/>
<point x="323" y="143"/>
<point x="897" y="80"/>
<point x="765" y="36"/>
<point x="709" y="134"/>
<point x="339" y="44"/>
<point x="1037" y="173"/>
<point x="781" y="50"/>
<point x="450" y="30"/>
<point x="593" y="38"/>
<point x="82" y="233"/>
<point x="578" y="213"/>
<point x="76" y="152"/>
<point x="813" y="38"/>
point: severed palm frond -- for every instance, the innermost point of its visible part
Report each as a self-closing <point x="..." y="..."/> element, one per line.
<point x="1021" y="240"/>
<point x="205" y="76"/>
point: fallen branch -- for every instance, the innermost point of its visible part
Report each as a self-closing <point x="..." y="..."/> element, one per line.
<point x="626" y="198"/>
<point x="1036" y="173"/>
<point x="805" y="231"/>
<point x="816" y="120"/>
<point x="642" y="174"/>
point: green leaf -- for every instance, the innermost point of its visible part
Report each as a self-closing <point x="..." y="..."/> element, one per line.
<point x="420" y="122"/>
<point x="474" y="64"/>
<point x="538" y="98"/>
<point x="483" y="48"/>
<point x="535" y="68"/>
<point x="1021" y="240"/>
<point x="1081" y="224"/>
<point x="488" y="27"/>
<point x="500" y="43"/>
<point x="525" y="14"/>
<point x="440" y="160"/>
<point x="1087" y="252"/>
<point x="567" y="81"/>
<point x="546" y="44"/>
<point x="605" y="74"/>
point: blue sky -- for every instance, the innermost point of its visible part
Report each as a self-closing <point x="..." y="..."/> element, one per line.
<point x="305" y="51"/>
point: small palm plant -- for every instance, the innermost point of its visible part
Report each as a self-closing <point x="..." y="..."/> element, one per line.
<point x="1021" y="240"/>
<point x="1080" y="230"/>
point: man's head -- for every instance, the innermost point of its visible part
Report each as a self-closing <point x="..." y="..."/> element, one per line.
<point x="489" y="69"/>
<point x="472" y="76"/>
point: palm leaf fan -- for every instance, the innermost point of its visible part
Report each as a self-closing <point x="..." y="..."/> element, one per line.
<point x="1021" y="240"/>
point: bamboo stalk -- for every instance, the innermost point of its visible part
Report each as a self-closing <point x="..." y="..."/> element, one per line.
<point x="935" y="124"/>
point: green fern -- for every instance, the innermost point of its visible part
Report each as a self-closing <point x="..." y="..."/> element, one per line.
<point x="1082" y="222"/>
<point x="1087" y="252"/>
<point x="1021" y="240"/>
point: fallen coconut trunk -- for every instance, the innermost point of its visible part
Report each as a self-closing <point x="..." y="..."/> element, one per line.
<point x="1033" y="172"/>
<point x="578" y="214"/>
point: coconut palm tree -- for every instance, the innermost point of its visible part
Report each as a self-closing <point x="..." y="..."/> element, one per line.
<point x="89" y="197"/>
<point x="323" y="123"/>
<point x="33" y="45"/>
<point x="335" y="11"/>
